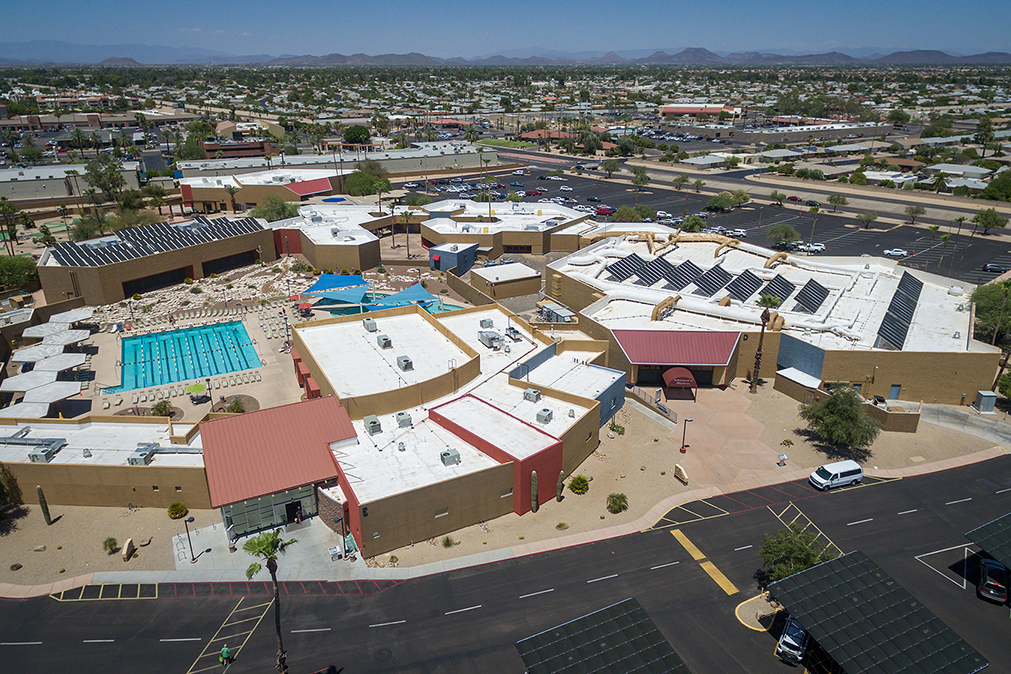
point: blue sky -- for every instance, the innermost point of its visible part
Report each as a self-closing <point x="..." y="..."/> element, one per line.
<point x="456" y="28"/>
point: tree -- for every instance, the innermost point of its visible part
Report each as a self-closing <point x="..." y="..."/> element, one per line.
<point x="732" y="162"/>
<point x="837" y="200"/>
<point x="858" y="178"/>
<point x="999" y="188"/>
<point x="268" y="546"/>
<point x="236" y="407"/>
<point x="839" y="420"/>
<point x="616" y="503"/>
<point x="89" y="226"/>
<point x="740" y="197"/>
<point x="162" y="408"/>
<point x="157" y="195"/>
<point x="945" y="238"/>
<point x="232" y="191"/>
<point x="7" y="211"/>
<point x="693" y="223"/>
<point x="610" y="167"/>
<point x="914" y="211"/>
<point x="984" y="134"/>
<point x="360" y="184"/>
<point x="274" y="208"/>
<point x="940" y="182"/>
<point x="105" y="174"/>
<point x="782" y="233"/>
<point x="357" y="135"/>
<point x="371" y="167"/>
<point x="723" y="201"/>
<point x="989" y="218"/>
<point x="47" y="238"/>
<point x="933" y="231"/>
<point x="989" y="302"/>
<point x="626" y="214"/>
<point x="791" y="551"/>
<point x="867" y="217"/>
<point x="769" y="301"/>
<point x="681" y="180"/>
<point x="898" y="117"/>
<point x="17" y="271"/>
<point x="640" y="179"/>
<point x="698" y="184"/>
<point x="778" y="197"/>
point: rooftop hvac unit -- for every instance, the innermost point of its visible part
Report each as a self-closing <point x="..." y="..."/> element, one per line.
<point x="544" y="416"/>
<point x="450" y="457"/>
<point x="490" y="338"/>
<point x="143" y="455"/>
<point x="42" y="454"/>
<point x="384" y="342"/>
<point x="405" y="363"/>
<point x="372" y="425"/>
<point x="403" y="419"/>
<point x="370" y="324"/>
<point x="487" y="323"/>
<point x="532" y="394"/>
<point x="401" y="447"/>
<point x="454" y="248"/>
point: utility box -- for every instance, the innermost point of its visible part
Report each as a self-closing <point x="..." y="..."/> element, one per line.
<point x="403" y="419"/>
<point x="143" y="455"/>
<point x="544" y="416"/>
<point x="384" y="342"/>
<point x="487" y="323"/>
<point x="372" y="425"/>
<point x="405" y="363"/>
<point x="532" y="394"/>
<point x="491" y="339"/>
<point x="985" y="400"/>
<point x="43" y="454"/>
<point x="450" y="457"/>
<point x="370" y="324"/>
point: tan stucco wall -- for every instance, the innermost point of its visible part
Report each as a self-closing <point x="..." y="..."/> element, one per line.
<point x="504" y="289"/>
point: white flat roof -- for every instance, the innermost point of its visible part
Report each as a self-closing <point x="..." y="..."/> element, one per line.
<point x="505" y="216"/>
<point x="467" y="325"/>
<point x="73" y="316"/>
<point x="351" y="359"/>
<point x="25" y="411"/>
<point x="66" y="337"/>
<point x="505" y="272"/>
<point x="36" y="352"/>
<point x="332" y="225"/>
<point x="109" y="443"/>
<point x="498" y="392"/>
<point x="518" y="439"/>
<point x="570" y="371"/>
<point x="376" y="468"/>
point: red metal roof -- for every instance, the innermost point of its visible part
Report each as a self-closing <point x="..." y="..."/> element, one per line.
<point x="677" y="347"/>
<point x="308" y="187"/>
<point x="259" y="453"/>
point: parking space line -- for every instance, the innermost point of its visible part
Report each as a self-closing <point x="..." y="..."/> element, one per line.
<point x="211" y="651"/>
<point x="613" y="575"/>
<point x="534" y="594"/>
<point x="463" y="610"/>
<point x="660" y="566"/>
<point x="743" y="548"/>
<point x="963" y="500"/>
<point x="688" y="545"/>
<point x="906" y="512"/>
<point x="870" y="519"/>
<point x="718" y="576"/>
<point x="395" y="622"/>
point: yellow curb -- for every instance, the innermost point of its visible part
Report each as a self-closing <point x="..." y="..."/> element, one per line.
<point x="738" y="609"/>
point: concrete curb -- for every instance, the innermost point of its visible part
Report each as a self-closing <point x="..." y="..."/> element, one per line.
<point x="11" y="591"/>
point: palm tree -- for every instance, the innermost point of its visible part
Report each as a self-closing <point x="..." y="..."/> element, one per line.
<point x="7" y="210"/>
<point x="959" y="220"/>
<point x="232" y="191"/>
<point x="470" y="134"/>
<point x="940" y="182"/>
<point x="78" y="139"/>
<point x="933" y="231"/>
<point x="268" y="546"/>
<point x="944" y="239"/>
<point x="1006" y="285"/>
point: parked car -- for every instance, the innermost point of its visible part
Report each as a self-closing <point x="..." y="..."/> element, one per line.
<point x="592" y="198"/>
<point x="793" y="198"/>
<point x="838" y="474"/>
<point x="812" y="202"/>
<point x="792" y="642"/>
<point x="993" y="577"/>
<point x="604" y="211"/>
<point x="411" y="186"/>
<point x="896" y="252"/>
<point x="519" y="172"/>
<point x="542" y="177"/>
<point x="996" y="268"/>
<point x="565" y="188"/>
<point x="515" y="184"/>
<point x="737" y="233"/>
<point x="555" y="178"/>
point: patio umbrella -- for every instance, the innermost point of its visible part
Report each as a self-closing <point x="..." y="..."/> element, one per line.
<point x="196" y="388"/>
<point x="293" y="298"/>
<point x="305" y="305"/>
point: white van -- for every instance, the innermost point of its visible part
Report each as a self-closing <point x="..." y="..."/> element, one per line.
<point x="837" y="474"/>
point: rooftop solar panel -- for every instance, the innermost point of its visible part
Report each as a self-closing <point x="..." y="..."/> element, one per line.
<point x="684" y="273"/>
<point x="893" y="330"/>
<point x="744" y="286"/>
<point x="867" y="622"/>
<point x="625" y="267"/>
<point x="619" y="639"/>
<point x="779" y="288"/>
<point x="811" y="296"/>
<point x="662" y="267"/>
<point x="649" y="273"/>
<point x="714" y="279"/>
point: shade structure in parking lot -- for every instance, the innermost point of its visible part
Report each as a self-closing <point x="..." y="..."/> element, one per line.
<point x="867" y="622"/>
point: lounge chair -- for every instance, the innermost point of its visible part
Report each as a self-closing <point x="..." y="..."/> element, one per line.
<point x="119" y="401"/>
<point x="105" y="404"/>
<point x="234" y="382"/>
<point x="181" y="391"/>
<point x="161" y="396"/>
<point x="245" y="379"/>
<point x="172" y="392"/>
<point x="143" y="397"/>
<point x="224" y="383"/>
<point x="217" y="383"/>
<point x="256" y="376"/>
<point x="134" y="399"/>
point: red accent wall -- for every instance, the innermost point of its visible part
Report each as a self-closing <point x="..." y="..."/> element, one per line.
<point x="294" y="241"/>
<point x="187" y="192"/>
<point x="354" y="510"/>
<point x="547" y="462"/>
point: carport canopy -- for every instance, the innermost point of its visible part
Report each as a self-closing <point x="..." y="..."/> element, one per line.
<point x="867" y="622"/>
<point x="994" y="538"/>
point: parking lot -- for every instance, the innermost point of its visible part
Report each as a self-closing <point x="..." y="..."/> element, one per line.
<point x="962" y="258"/>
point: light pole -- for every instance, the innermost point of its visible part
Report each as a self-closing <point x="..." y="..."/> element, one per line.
<point x="758" y="351"/>
<point x="684" y="432"/>
<point x="186" y="523"/>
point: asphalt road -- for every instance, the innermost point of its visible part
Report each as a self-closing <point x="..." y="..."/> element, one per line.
<point x="469" y="620"/>
<point x="962" y="258"/>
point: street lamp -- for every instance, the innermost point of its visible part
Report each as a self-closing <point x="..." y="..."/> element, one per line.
<point x="684" y="432"/>
<point x="186" y="523"/>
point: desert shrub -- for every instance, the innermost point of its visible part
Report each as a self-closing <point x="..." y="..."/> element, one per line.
<point x="110" y="545"/>
<point x="616" y="503"/>
<point x="162" y="408"/>
<point x="178" y="510"/>
<point x="579" y="485"/>
<point x="448" y="542"/>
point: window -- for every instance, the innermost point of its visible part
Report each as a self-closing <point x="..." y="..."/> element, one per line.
<point x="154" y="487"/>
<point x="506" y="492"/>
<point x="179" y="489"/>
<point x="375" y="534"/>
<point x="442" y="512"/>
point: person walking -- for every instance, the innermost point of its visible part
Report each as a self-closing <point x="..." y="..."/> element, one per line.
<point x="226" y="655"/>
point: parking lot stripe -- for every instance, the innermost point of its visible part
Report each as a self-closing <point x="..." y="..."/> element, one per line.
<point x="742" y="548"/>
<point x="395" y="622"/>
<point x="662" y="566"/>
<point x="462" y="610"/>
<point x="870" y="519"/>
<point x="688" y="545"/>
<point x="613" y="575"/>
<point x="906" y="512"/>
<point x="962" y="500"/>
<point x="718" y="576"/>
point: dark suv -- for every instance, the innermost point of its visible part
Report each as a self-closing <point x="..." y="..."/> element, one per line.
<point x="992" y="581"/>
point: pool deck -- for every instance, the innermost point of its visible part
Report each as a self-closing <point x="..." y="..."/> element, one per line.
<point x="276" y="387"/>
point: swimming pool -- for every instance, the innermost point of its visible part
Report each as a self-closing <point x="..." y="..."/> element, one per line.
<point x="181" y="355"/>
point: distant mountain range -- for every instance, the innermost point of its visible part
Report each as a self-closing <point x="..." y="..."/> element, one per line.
<point x="41" y="52"/>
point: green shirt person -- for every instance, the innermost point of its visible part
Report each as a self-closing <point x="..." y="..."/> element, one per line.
<point x="226" y="655"/>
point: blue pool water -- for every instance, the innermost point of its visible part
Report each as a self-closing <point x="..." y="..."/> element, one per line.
<point x="182" y="355"/>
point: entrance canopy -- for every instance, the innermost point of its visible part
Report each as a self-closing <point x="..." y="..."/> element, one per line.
<point x="867" y="622"/>
<point x="679" y="377"/>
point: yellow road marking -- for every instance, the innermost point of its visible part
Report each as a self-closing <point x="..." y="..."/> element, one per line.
<point x="688" y="545"/>
<point x="718" y="576"/>
<point x="211" y="651"/>
<point x="249" y="608"/>
<point x="737" y="613"/>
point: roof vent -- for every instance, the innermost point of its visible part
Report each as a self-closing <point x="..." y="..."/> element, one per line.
<point x="532" y="394"/>
<point x="405" y="363"/>
<point x="372" y="425"/>
<point x="401" y="447"/>
<point x="450" y="457"/>
<point x="487" y="323"/>
<point x="403" y="419"/>
<point x="544" y="416"/>
<point x="384" y="342"/>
